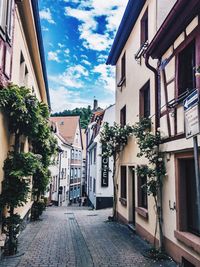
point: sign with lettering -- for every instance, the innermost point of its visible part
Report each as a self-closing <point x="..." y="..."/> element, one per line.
<point x="191" y="108"/>
<point x="104" y="171"/>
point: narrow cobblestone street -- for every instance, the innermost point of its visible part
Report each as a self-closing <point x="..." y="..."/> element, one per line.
<point x="79" y="237"/>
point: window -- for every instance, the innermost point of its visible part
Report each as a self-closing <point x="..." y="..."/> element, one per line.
<point x="95" y="151"/>
<point x="76" y="154"/>
<point x="6" y="18"/>
<point x="22" y="69"/>
<point x="26" y="76"/>
<point x="144" y="28"/>
<point x="188" y="202"/>
<point x="186" y="72"/>
<point x="62" y="173"/>
<point x="123" y="182"/>
<point x="80" y="155"/>
<point x="123" y="71"/>
<point x="72" y="173"/>
<point x="72" y="153"/>
<point x="94" y="185"/>
<point x="90" y="157"/>
<point x="145" y="101"/>
<point x="142" y="192"/>
<point x="90" y="183"/>
<point x="123" y="116"/>
<point x="75" y="173"/>
<point x="186" y="263"/>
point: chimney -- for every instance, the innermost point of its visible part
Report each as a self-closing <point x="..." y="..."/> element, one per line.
<point x="95" y="105"/>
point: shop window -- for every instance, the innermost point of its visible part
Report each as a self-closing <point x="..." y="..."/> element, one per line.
<point x="123" y="183"/>
<point x="123" y="116"/>
<point x="186" y="71"/>
<point x="145" y="101"/>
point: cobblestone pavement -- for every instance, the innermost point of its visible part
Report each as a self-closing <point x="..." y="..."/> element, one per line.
<point x="78" y="237"/>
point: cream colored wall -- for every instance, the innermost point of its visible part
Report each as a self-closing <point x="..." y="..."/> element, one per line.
<point x="20" y="45"/>
<point x="169" y="193"/>
<point x="136" y="77"/>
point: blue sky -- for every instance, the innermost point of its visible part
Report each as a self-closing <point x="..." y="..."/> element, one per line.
<point x="77" y="36"/>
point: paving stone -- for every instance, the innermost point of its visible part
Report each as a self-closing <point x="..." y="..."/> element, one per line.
<point x="79" y="237"/>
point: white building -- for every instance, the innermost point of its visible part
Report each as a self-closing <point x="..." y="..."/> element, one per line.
<point x="60" y="173"/>
<point x="99" y="170"/>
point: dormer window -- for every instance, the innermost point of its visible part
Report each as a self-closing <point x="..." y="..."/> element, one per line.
<point x="123" y="71"/>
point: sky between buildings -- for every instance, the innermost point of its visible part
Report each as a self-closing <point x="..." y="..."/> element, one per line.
<point x="77" y="36"/>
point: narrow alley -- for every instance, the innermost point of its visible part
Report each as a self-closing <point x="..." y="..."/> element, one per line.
<point x="73" y="236"/>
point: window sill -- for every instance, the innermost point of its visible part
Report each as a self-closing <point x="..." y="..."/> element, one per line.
<point x="123" y="201"/>
<point x="142" y="212"/>
<point x="189" y="239"/>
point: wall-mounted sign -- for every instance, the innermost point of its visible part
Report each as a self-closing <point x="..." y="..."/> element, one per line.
<point x="104" y="171"/>
<point x="191" y="108"/>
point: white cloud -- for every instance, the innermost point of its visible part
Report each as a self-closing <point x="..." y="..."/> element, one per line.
<point x="53" y="56"/>
<point x="88" y="12"/>
<point x="86" y="62"/>
<point x="106" y="76"/>
<point x="46" y="15"/>
<point x="62" y="98"/>
<point x="61" y="45"/>
<point x="71" y="77"/>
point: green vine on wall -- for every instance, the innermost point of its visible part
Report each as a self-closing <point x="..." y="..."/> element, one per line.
<point x="27" y="120"/>
<point x="148" y="143"/>
<point x="114" y="139"/>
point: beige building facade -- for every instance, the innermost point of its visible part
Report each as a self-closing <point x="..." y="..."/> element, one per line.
<point x="21" y="62"/>
<point x="146" y="80"/>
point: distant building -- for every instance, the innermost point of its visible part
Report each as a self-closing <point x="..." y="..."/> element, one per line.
<point x="58" y="191"/>
<point x="99" y="170"/>
<point x="84" y="177"/>
<point x="22" y="62"/>
<point x="69" y="129"/>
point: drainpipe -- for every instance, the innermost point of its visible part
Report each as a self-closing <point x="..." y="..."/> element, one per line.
<point x="157" y="118"/>
<point x="156" y="78"/>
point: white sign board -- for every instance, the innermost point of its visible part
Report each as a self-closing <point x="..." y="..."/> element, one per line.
<point x="192" y="126"/>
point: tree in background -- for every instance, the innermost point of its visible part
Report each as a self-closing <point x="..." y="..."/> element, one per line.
<point x="84" y="113"/>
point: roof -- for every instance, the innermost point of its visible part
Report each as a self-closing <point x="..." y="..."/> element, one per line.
<point x="41" y="46"/>
<point x="67" y="126"/>
<point x="177" y="20"/>
<point x="129" y="19"/>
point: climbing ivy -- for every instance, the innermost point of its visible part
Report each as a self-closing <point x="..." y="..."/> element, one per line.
<point x="27" y="120"/>
<point x="114" y="139"/>
<point x="155" y="171"/>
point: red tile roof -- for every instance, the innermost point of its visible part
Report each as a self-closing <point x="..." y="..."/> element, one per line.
<point x="67" y="126"/>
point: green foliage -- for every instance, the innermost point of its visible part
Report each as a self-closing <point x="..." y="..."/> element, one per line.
<point x="155" y="171"/>
<point x="37" y="208"/>
<point x="148" y="144"/>
<point x="84" y="113"/>
<point x="11" y="223"/>
<point x="114" y="138"/>
<point x="27" y="117"/>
